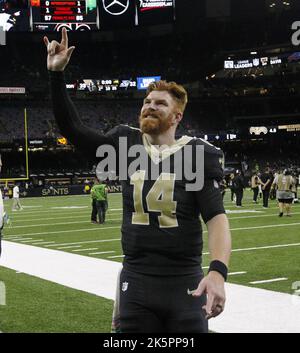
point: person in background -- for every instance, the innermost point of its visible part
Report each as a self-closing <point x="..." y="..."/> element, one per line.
<point x="16" y="199"/>
<point x="255" y="182"/>
<point x="99" y="197"/>
<point x="284" y="183"/>
<point x="266" y="179"/>
<point x="231" y="187"/>
<point x="238" y="184"/>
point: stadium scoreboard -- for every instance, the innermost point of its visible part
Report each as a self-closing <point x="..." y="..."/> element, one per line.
<point x="51" y="15"/>
<point x="83" y="15"/>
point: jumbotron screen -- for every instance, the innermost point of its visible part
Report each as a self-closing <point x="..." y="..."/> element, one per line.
<point x="52" y="15"/>
<point x="83" y="15"/>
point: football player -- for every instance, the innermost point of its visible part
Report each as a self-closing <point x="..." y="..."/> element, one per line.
<point x="162" y="285"/>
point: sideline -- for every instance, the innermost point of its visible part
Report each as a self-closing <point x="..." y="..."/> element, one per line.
<point x="247" y="309"/>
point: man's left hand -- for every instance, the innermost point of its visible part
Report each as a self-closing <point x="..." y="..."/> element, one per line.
<point x="213" y="286"/>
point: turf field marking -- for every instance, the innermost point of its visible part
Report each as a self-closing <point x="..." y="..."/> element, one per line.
<point x="101" y="252"/>
<point x="89" y="249"/>
<point x="118" y="227"/>
<point x="31" y="241"/>
<point x="261" y="247"/>
<point x="269" y="226"/>
<point x="270" y="280"/>
<point x="115" y="257"/>
<point x="44" y="242"/>
<point x="258" y="216"/>
<point x="118" y="219"/>
<point x="55" y="218"/>
<point x="73" y="230"/>
<point x="69" y="207"/>
<point x="69" y="247"/>
<point x="236" y="273"/>
<point x="242" y="211"/>
<point x="52" y="211"/>
<point x="59" y="224"/>
<point x="16" y="239"/>
<point x="87" y="242"/>
<point x="32" y="206"/>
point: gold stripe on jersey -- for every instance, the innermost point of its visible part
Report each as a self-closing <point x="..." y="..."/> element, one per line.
<point x="158" y="156"/>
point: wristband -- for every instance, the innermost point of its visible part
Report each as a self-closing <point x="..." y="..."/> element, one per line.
<point x="220" y="267"/>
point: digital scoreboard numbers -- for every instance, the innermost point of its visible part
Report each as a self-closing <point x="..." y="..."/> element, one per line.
<point x="75" y="15"/>
<point x="61" y="11"/>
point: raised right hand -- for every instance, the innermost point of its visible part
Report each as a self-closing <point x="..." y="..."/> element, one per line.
<point x="58" y="53"/>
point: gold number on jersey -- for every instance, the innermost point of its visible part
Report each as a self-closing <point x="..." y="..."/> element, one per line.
<point x="159" y="199"/>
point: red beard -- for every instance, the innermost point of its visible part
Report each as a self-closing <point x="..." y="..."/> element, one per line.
<point x="154" y="125"/>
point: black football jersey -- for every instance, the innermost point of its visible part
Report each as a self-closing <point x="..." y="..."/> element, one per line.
<point x="161" y="230"/>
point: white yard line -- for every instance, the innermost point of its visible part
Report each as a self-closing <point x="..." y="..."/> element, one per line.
<point x="112" y="219"/>
<point x="31" y="241"/>
<point x="270" y="280"/>
<point x="115" y="257"/>
<point x="18" y="238"/>
<point x="69" y="247"/>
<point x="101" y="252"/>
<point x="99" y="228"/>
<point x="261" y="247"/>
<point x="87" y="242"/>
<point x="118" y="227"/>
<point x="247" y="309"/>
<point x="268" y="226"/>
<point x="68" y="211"/>
<point x="259" y="216"/>
<point x="59" y="224"/>
<point x="236" y="273"/>
<point x="89" y="249"/>
<point x="54" y="218"/>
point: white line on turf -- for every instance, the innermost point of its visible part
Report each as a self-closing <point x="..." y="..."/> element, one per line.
<point x="59" y="211"/>
<point x="100" y="228"/>
<point x="44" y="242"/>
<point x="16" y="239"/>
<point x="101" y="252"/>
<point x="236" y="273"/>
<point x="87" y="242"/>
<point x="261" y="247"/>
<point x="89" y="249"/>
<point x="270" y="280"/>
<point x="31" y="241"/>
<point x="115" y="257"/>
<point x="258" y="216"/>
<point x="69" y="247"/>
<point x="58" y="224"/>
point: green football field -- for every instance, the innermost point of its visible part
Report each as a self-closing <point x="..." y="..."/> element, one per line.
<point x="264" y="247"/>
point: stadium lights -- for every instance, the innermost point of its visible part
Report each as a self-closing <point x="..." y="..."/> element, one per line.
<point x="253" y="53"/>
